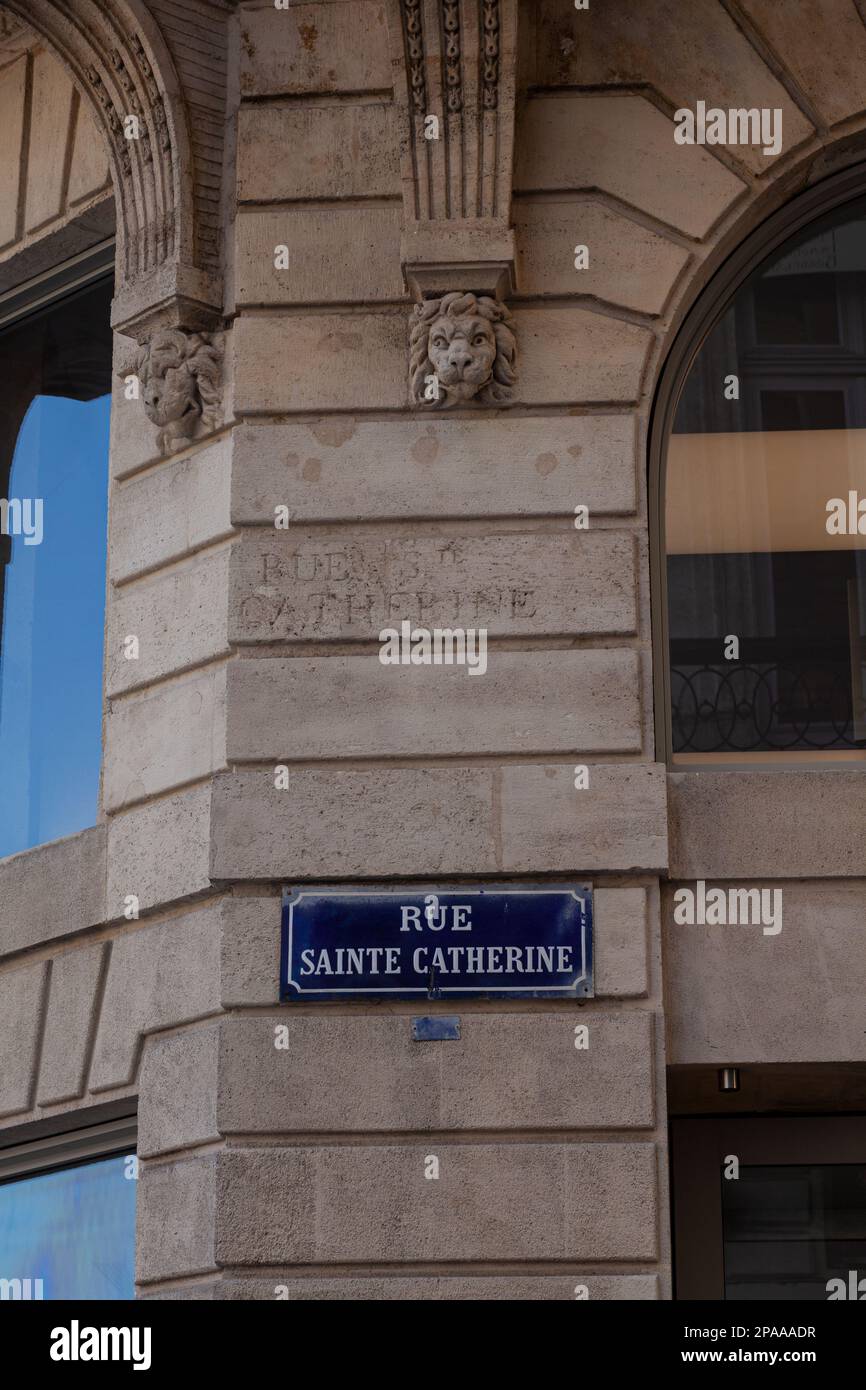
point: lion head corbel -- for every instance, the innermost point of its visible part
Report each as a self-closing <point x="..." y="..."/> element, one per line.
<point x="462" y="351"/>
<point x="181" y="377"/>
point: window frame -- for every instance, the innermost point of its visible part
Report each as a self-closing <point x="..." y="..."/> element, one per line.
<point x="81" y="1142"/>
<point x="712" y="301"/>
<point x="70" y="1141"/>
<point x="40" y="292"/>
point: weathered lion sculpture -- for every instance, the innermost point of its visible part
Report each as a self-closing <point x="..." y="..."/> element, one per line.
<point x="181" y="375"/>
<point x="462" y="349"/>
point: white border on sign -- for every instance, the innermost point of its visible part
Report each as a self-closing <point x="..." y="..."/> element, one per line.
<point x="468" y="893"/>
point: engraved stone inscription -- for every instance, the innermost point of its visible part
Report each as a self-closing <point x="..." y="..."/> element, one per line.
<point x="290" y="589"/>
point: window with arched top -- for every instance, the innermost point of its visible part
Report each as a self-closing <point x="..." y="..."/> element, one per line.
<point x="759" y="455"/>
<point x="55" y="380"/>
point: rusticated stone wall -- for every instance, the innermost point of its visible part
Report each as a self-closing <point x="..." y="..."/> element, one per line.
<point x="300" y="1172"/>
<point x="551" y="1159"/>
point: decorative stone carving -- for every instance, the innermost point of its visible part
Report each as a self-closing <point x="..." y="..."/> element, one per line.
<point x="415" y="51"/>
<point x="453" y="70"/>
<point x="462" y="351"/>
<point x="461" y="70"/>
<point x="455" y="105"/>
<point x="167" y="69"/>
<point x="490" y="23"/>
<point x="181" y="376"/>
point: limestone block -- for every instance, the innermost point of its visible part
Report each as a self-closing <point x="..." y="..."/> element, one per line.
<point x="284" y="587"/>
<point x="335" y="824"/>
<point x="160" y="739"/>
<point x="250" y="935"/>
<point x="320" y="361"/>
<point x="314" y="49"/>
<point x="51" y="111"/>
<point x="620" y="942"/>
<point x="335" y="256"/>
<point x="170" y="511"/>
<point x="89" y="171"/>
<point x="186" y="1293"/>
<point x="777" y="824"/>
<point x="365" y="1073"/>
<point x="736" y="995"/>
<point x="340" y="469"/>
<point x="175" y="1213"/>
<point x="179" y="618"/>
<point x="687" y="53"/>
<point x="618" y="822"/>
<point x="823" y="47"/>
<point x="491" y="1202"/>
<point x="32" y="884"/>
<point x="574" y="355"/>
<point x="70" y="1027"/>
<point x="333" y="151"/>
<point x="353" y="706"/>
<point x="158" y="976"/>
<point x="628" y="264"/>
<point x="623" y="145"/>
<point x="178" y="1091"/>
<point x="159" y="852"/>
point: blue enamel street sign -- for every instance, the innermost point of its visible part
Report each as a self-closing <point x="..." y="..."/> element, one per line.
<point x="437" y="945"/>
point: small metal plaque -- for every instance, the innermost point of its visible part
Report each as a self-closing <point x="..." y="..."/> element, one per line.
<point x="436" y="1028"/>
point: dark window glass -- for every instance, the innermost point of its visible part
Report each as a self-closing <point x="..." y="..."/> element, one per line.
<point x="796" y="309"/>
<point x="803" y="410"/>
<point x="766" y="540"/>
<point x="789" y="1230"/>
<point x="54" y="414"/>
<point x="69" y="1234"/>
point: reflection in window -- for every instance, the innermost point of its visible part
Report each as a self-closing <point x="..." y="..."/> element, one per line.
<point x="74" y="1230"/>
<point x="789" y="1230"/>
<point x="54" y="413"/>
<point x="752" y="550"/>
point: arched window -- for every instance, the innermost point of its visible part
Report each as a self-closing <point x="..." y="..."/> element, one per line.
<point x="762" y="457"/>
<point x="54" y="410"/>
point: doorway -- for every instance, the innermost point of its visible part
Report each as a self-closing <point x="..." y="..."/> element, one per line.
<point x="769" y="1208"/>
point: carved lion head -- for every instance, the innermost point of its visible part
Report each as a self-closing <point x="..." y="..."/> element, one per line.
<point x="467" y="344"/>
<point x="180" y="373"/>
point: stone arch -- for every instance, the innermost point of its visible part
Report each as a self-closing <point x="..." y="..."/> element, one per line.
<point x="128" y="58"/>
<point x="780" y="188"/>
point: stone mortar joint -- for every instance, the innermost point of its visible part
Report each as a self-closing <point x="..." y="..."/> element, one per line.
<point x="181" y="378"/>
<point x="463" y="351"/>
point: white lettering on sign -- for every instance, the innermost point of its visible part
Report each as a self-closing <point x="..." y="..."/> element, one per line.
<point x="349" y="960"/>
<point x="435" y="916"/>
<point x="449" y="960"/>
<point x="492" y="960"/>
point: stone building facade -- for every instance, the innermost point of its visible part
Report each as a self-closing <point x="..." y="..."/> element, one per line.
<point x="289" y="223"/>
